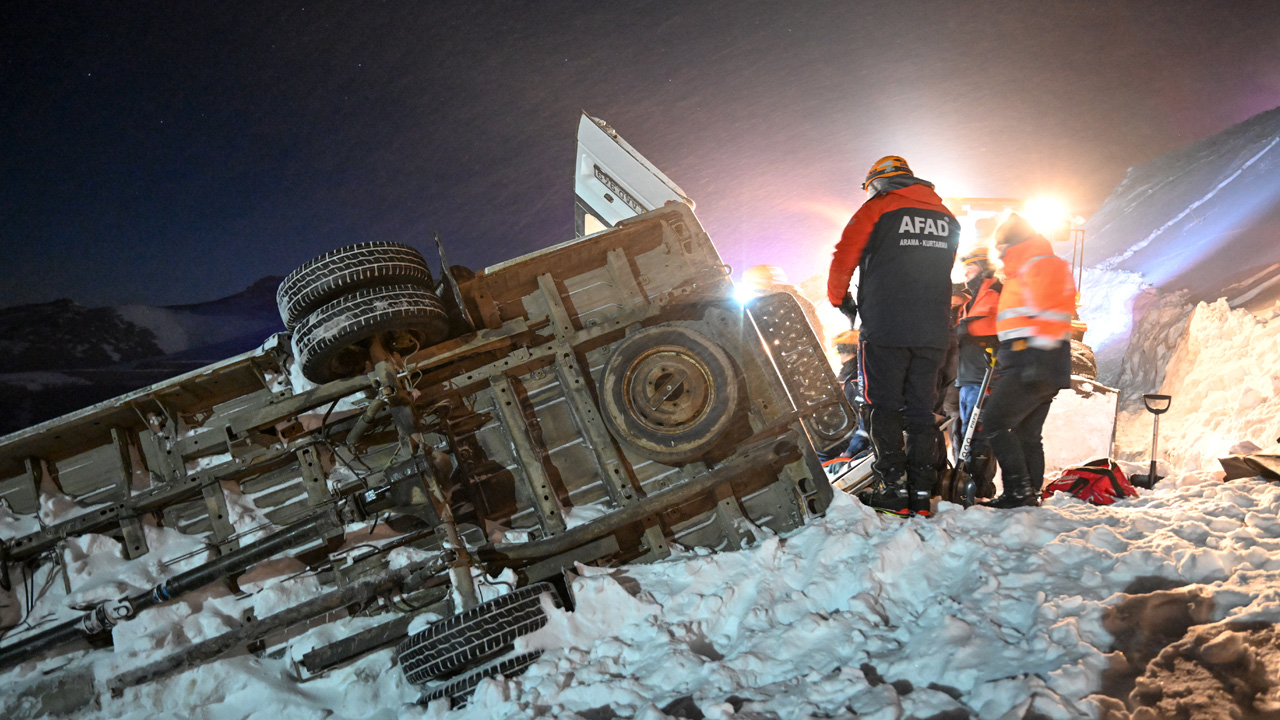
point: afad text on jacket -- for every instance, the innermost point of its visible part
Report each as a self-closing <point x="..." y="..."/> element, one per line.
<point x="904" y="241"/>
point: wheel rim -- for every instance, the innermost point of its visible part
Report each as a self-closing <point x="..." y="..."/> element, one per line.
<point x="668" y="390"/>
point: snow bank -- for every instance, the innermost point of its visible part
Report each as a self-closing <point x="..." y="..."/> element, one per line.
<point x="1224" y="378"/>
<point x="1107" y="307"/>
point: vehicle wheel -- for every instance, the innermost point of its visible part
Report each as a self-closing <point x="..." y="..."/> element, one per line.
<point x="333" y="342"/>
<point x="669" y="393"/>
<point x="473" y="637"/>
<point x="345" y="270"/>
<point x="1082" y="361"/>
<point x="459" y="690"/>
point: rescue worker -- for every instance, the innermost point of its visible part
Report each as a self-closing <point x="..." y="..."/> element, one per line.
<point x="976" y="331"/>
<point x="903" y="242"/>
<point x="847" y="348"/>
<point x="946" y="408"/>
<point x="1033" y="361"/>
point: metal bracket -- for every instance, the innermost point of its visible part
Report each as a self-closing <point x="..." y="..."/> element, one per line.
<point x="215" y="503"/>
<point x="729" y="515"/>
<point x="561" y="323"/>
<point x="313" y="476"/>
<point x="135" y="540"/>
<point x="550" y="516"/>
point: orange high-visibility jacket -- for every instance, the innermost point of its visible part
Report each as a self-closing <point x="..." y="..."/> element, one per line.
<point x="1039" y="295"/>
<point x="982" y="309"/>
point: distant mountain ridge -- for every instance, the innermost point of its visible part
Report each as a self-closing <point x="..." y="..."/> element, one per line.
<point x="58" y="357"/>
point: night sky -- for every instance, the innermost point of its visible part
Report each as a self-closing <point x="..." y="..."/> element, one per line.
<point x="168" y="153"/>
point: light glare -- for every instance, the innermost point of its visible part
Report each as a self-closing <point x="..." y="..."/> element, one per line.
<point x="1047" y="215"/>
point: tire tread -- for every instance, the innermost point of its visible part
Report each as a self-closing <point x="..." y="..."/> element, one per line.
<point x="473" y="637"/>
<point x="345" y="270"/>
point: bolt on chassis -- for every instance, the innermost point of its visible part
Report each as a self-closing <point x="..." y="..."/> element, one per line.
<point x="594" y="402"/>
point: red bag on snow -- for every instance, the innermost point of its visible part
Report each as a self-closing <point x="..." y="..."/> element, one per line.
<point x="1100" y="482"/>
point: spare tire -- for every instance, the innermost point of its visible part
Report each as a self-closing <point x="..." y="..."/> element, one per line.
<point x="669" y="393"/>
<point x="346" y="270"/>
<point x="333" y="342"/>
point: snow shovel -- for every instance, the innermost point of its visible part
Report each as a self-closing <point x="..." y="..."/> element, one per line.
<point x="963" y="488"/>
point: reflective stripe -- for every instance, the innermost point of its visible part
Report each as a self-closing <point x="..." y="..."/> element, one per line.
<point x="1016" y="312"/>
<point x="1028" y="312"/>
<point x="1016" y="333"/>
<point x="1033" y="338"/>
<point x="1044" y="343"/>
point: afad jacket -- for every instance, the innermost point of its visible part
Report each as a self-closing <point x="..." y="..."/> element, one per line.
<point x="904" y="242"/>
<point x="1034" y="317"/>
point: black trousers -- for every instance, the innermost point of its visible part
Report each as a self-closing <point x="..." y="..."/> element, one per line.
<point x="899" y="385"/>
<point x="902" y="379"/>
<point x="1012" y="421"/>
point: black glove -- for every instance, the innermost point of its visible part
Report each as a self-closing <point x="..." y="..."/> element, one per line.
<point x="849" y="308"/>
<point x="962" y="327"/>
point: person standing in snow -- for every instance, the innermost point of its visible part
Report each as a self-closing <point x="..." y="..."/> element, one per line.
<point x="903" y="242"/>
<point x="850" y="381"/>
<point x="976" y="331"/>
<point x="946" y="407"/>
<point x="1033" y="360"/>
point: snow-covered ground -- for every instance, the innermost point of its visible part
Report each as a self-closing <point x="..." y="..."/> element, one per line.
<point x="1031" y="613"/>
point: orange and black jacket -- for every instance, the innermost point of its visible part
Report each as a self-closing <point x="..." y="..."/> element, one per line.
<point x="977" y="329"/>
<point x="1034" y="316"/>
<point x="904" y="243"/>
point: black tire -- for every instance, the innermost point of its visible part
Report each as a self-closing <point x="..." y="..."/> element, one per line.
<point x="1083" y="362"/>
<point x="460" y="690"/>
<point x="698" y="388"/>
<point x="333" y="342"/>
<point x="473" y="637"/>
<point x="345" y="270"/>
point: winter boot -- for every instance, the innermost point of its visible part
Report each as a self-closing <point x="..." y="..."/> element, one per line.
<point x="982" y="468"/>
<point x="892" y="498"/>
<point x="920" y="503"/>
<point x="886" y="438"/>
<point x="1018" y="492"/>
<point x="890" y="466"/>
<point x="923" y="442"/>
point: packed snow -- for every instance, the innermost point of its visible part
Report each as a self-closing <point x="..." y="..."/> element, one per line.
<point x="1224" y="377"/>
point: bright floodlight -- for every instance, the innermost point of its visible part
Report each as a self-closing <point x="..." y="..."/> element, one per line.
<point x="1046" y="214"/>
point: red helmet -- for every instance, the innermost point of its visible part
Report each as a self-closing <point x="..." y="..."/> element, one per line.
<point x="887" y="166"/>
